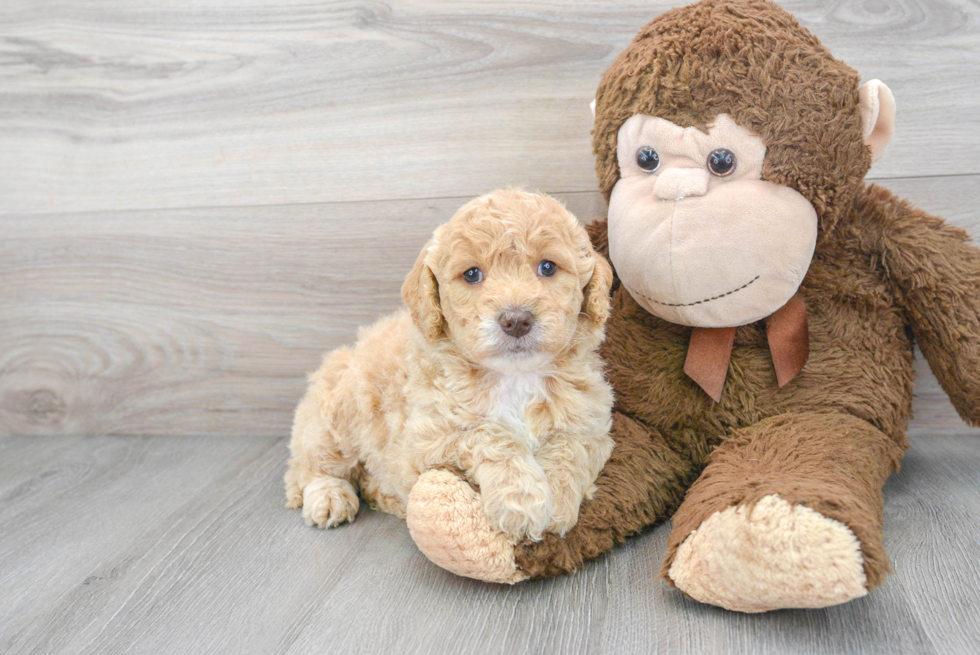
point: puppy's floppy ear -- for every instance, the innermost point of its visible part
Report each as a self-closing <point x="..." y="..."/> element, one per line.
<point x="420" y="293"/>
<point x="595" y="304"/>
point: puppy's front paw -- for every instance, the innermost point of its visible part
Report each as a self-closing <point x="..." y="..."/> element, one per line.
<point x="520" y="510"/>
<point x="566" y="506"/>
<point x="328" y="502"/>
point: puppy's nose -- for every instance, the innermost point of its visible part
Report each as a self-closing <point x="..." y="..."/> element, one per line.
<point x="516" y="323"/>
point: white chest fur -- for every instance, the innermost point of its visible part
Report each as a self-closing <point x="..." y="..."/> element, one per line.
<point x="513" y="393"/>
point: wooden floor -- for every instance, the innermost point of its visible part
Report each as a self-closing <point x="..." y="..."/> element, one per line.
<point x="181" y="545"/>
<point x="198" y="198"/>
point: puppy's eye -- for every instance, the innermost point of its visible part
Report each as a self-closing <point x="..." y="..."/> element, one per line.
<point x="721" y="162"/>
<point x="473" y="275"/>
<point x="547" y="268"/>
<point x="647" y="159"/>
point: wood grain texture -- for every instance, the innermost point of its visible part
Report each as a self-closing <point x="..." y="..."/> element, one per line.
<point x="140" y="105"/>
<point x="206" y="321"/>
<point x="170" y="544"/>
<point x="79" y="502"/>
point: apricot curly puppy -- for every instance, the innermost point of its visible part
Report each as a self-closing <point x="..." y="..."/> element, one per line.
<point x="491" y="369"/>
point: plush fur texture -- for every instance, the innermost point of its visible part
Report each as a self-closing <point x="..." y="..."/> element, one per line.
<point x="884" y="276"/>
<point x="448" y="523"/>
<point x="442" y="383"/>
<point x="753" y="61"/>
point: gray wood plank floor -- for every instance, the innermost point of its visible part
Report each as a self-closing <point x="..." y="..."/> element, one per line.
<point x="168" y="545"/>
<point x="198" y="198"/>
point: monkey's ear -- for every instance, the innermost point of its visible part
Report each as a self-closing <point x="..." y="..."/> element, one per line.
<point x="595" y="303"/>
<point x="420" y="293"/>
<point x="877" y="116"/>
<point x="592" y="108"/>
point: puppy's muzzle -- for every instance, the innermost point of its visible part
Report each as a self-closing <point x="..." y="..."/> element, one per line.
<point x="516" y="323"/>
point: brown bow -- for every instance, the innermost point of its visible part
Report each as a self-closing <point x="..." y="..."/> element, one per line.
<point x="710" y="349"/>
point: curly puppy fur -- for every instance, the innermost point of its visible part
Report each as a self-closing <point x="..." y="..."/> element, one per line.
<point x="441" y="384"/>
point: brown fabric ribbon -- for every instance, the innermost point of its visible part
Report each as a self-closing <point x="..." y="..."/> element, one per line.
<point x="788" y="333"/>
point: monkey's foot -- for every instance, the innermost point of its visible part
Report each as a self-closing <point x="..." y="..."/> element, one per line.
<point x="773" y="556"/>
<point x="447" y="521"/>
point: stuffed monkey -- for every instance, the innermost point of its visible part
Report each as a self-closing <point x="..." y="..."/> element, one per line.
<point x="764" y="312"/>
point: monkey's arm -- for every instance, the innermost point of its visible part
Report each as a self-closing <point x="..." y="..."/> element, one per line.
<point x="937" y="275"/>
<point x="642" y="483"/>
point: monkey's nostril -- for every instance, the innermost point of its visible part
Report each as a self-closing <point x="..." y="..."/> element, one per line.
<point x="516" y="324"/>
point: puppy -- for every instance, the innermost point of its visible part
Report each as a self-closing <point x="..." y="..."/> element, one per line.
<point x="491" y="369"/>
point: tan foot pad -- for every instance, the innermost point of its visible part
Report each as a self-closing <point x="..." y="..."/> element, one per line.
<point x="779" y="556"/>
<point x="446" y="519"/>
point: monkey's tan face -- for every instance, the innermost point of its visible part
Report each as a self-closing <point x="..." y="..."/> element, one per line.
<point x="696" y="236"/>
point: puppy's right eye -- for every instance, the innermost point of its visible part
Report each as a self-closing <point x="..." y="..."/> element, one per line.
<point x="473" y="275"/>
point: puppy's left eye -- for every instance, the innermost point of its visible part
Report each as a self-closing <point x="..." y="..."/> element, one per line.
<point x="547" y="268"/>
<point x="473" y="275"/>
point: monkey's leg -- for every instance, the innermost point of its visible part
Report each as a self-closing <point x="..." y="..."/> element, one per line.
<point x="642" y="483"/>
<point x="788" y="513"/>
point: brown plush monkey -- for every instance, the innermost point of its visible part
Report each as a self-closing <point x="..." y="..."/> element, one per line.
<point x="763" y="319"/>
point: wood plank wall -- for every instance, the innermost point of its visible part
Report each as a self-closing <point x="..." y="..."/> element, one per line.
<point x="198" y="199"/>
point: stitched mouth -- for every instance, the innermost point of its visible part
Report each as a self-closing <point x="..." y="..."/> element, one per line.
<point x="700" y="302"/>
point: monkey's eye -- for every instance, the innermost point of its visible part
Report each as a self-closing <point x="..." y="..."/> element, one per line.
<point x="721" y="162"/>
<point x="647" y="159"/>
<point x="473" y="275"/>
<point x="547" y="268"/>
